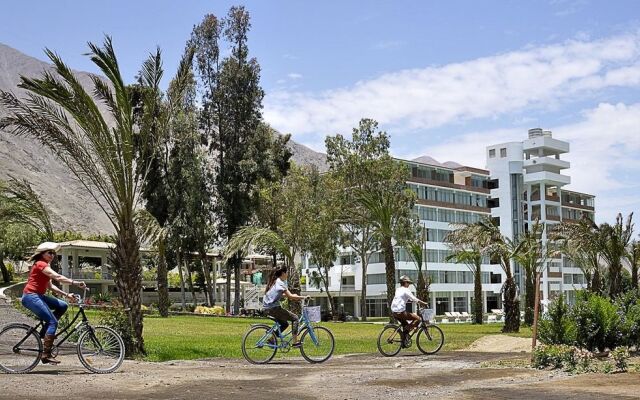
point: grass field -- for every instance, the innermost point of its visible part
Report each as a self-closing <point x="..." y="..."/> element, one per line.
<point x="190" y="337"/>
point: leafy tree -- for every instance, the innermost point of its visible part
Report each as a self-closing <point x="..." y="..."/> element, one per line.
<point x="231" y="122"/>
<point x="151" y="231"/>
<point x="356" y="165"/>
<point x="466" y="249"/>
<point x="64" y="117"/>
<point x="324" y="233"/>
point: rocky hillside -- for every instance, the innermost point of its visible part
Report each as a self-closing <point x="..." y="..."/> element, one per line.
<point x="71" y="205"/>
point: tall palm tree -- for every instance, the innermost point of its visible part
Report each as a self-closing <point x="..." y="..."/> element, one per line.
<point x="613" y="241"/>
<point x="389" y="212"/>
<point x="415" y="248"/>
<point x="501" y="249"/>
<point x="466" y="249"/>
<point x="26" y="206"/>
<point x="150" y="230"/>
<point x="533" y="258"/>
<point x="99" y="150"/>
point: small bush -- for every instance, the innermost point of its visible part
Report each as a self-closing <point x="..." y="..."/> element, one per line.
<point x="620" y="357"/>
<point x="555" y="356"/>
<point x="558" y="327"/>
<point x="598" y="323"/>
<point x="216" y="310"/>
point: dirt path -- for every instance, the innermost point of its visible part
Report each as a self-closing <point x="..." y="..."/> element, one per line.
<point x="409" y="375"/>
<point x="501" y="344"/>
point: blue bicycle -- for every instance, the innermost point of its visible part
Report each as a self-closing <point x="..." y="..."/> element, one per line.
<point x="261" y="342"/>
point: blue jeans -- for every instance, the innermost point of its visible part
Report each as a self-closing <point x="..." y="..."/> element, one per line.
<point x="41" y="305"/>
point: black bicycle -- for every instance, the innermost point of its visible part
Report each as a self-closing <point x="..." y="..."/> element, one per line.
<point x="100" y="349"/>
<point x="430" y="337"/>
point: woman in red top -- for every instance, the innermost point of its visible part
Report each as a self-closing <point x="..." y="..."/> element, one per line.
<point x="35" y="299"/>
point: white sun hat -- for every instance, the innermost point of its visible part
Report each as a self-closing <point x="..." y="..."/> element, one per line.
<point x="46" y="246"/>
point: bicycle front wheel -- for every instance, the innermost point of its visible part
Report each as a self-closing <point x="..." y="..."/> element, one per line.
<point x="390" y="341"/>
<point x="20" y="349"/>
<point x="318" y="346"/>
<point x="259" y="345"/>
<point x="100" y="350"/>
<point x="430" y="339"/>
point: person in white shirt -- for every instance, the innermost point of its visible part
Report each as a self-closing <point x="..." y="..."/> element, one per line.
<point x="277" y="289"/>
<point x="399" y="306"/>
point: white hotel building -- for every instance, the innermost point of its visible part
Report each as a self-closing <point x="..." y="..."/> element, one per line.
<point x="509" y="190"/>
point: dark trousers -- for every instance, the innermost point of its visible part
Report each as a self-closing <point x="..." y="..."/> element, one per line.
<point x="283" y="317"/>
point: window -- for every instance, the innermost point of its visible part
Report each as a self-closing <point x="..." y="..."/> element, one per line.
<point x="459" y="302"/>
<point x="376" y="279"/>
<point x="496" y="278"/>
<point x="492" y="153"/>
<point x="503" y="152"/>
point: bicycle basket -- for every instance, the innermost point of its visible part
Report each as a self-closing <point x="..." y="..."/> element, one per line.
<point x="427" y="314"/>
<point x="313" y="313"/>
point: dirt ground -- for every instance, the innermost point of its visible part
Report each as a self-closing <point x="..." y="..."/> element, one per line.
<point x="409" y="375"/>
<point x="501" y="344"/>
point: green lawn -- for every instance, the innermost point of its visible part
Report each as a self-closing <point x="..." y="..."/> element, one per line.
<point x="190" y="337"/>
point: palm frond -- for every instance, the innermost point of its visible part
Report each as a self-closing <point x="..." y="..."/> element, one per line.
<point x="249" y="236"/>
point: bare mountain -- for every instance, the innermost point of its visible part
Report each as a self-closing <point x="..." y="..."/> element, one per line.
<point x="72" y="207"/>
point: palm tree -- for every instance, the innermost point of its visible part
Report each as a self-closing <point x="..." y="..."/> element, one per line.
<point x="150" y="230"/>
<point x="389" y="212"/>
<point x="502" y="250"/>
<point x="533" y="258"/>
<point x="418" y="255"/>
<point x="25" y="206"/>
<point x="99" y="150"/>
<point x="466" y="249"/>
<point x="579" y="243"/>
<point x="633" y="256"/>
<point x="613" y="241"/>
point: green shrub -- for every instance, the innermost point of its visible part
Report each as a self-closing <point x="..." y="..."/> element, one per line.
<point x="555" y="356"/>
<point x="116" y="318"/>
<point x="557" y="326"/>
<point x="620" y="357"/>
<point x="598" y="324"/>
<point x="101" y="297"/>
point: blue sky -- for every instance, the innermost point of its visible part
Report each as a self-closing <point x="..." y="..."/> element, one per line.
<point x="443" y="78"/>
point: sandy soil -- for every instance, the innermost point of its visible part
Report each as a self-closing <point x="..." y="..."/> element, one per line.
<point x="500" y="344"/>
<point x="409" y="375"/>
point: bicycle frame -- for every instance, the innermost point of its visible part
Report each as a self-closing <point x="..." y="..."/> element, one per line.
<point x="415" y="330"/>
<point x="285" y="339"/>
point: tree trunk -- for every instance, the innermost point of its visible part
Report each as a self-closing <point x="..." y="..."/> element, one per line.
<point x="422" y="292"/>
<point x="194" y="298"/>
<point x="477" y="296"/>
<point x="294" y="287"/>
<point x="163" y="286"/>
<point x="634" y="276"/>
<point x="236" y="289"/>
<point x="227" y="287"/>
<point x="207" y="278"/>
<point x="596" y="283"/>
<point x="125" y="259"/>
<point x="183" y="293"/>
<point x="511" y="305"/>
<point x="530" y="297"/>
<point x="615" y="279"/>
<point x="363" y="290"/>
<point x="6" y="276"/>
<point x="390" y="272"/>
<point x="214" y="278"/>
<point x="330" y="299"/>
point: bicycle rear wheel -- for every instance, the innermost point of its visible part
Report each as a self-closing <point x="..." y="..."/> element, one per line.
<point x="101" y="350"/>
<point x="390" y="341"/>
<point x="20" y="349"/>
<point x="319" y="346"/>
<point x="259" y="345"/>
<point x="430" y="339"/>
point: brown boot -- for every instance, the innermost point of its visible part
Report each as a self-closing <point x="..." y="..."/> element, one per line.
<point x="46" y="354"/>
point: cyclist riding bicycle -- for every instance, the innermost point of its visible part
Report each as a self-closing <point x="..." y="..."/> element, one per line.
<point x="276" y="288"/>
<point x="399" y="307"/>
<point x="35" y="299"/>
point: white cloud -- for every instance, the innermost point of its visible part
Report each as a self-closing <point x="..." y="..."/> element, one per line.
<point x="388" y="44"/>
<point x="294" y="76"/>
<point x="604" y="154"/>
<point x="486" y="87"/>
